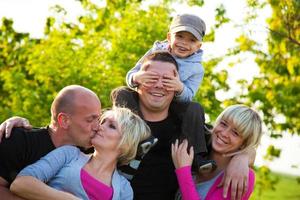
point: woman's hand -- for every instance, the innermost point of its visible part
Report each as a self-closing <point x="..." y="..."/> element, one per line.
<point x="180" y="155"/>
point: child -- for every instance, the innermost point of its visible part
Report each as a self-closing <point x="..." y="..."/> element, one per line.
<point x="183" y="41"/>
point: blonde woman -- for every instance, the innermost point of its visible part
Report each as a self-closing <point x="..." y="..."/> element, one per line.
<point x="237" y="129"/>
<point x="70" y="174"/>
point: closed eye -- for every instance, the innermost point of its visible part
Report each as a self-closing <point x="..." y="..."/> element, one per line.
<point x="112" y="126"/>
<point x="235" y="133"/>
<point x="223" y="123"/>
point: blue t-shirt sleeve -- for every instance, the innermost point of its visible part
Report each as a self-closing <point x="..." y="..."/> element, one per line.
<point x="190" y="86"/>
<point x="134" y="70"/>
<point x="126" y="189"/>
<point x="49" y="165"/>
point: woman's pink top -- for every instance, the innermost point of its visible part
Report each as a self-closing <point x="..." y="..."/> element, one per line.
<point x="188" y="187"/>
<point x="95" y="189"/>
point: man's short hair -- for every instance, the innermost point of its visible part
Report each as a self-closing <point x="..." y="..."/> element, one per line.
<point x="64" y="102"/>
<point x="163" y="56"/>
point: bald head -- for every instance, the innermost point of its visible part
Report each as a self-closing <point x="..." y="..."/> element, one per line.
<point x="69" y="98"/>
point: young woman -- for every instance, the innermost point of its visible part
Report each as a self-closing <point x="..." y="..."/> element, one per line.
<point x="237" y="129"/>
<point x="70" y="174"/>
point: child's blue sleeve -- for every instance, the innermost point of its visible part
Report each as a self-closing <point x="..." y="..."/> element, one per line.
<point x="158" y="45"/>
<point x="191" y="85"/>
<point x="136" y="68"/>
<point x="48" y="166"/>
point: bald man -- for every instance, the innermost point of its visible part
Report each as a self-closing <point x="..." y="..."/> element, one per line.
<point x="74" y="120"/>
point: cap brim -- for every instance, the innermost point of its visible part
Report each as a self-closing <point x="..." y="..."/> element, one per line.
<point x="188" y="29"/>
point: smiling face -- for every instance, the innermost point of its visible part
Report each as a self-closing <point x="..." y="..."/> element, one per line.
<point x="183" y="43"/>
<point x="156" y="99"/>
<point x="225" y="138"/>
<point x="108" y="136"/>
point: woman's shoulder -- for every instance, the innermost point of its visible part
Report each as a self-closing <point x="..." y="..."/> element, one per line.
<point x="67" y="151"/>
<point x="121" y="186"/>
<point x="67" y="148"/>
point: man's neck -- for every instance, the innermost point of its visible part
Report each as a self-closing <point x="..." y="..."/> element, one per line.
<point x="56" y="136"/>
<point x="153" y="116"/>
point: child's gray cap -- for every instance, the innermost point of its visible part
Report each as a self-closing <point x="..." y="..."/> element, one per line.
<point x="190" y="23"/>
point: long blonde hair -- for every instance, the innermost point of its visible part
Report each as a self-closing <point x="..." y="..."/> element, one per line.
<point x="133" y="131"/>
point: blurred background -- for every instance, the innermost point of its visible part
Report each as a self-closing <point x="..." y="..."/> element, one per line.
<point x="251" y="56"/>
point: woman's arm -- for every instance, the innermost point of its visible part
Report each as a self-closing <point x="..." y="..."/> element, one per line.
<point x="32" y="179"/>
<point x="29" y="187"/>
<point x="183" y="161"/>
<point x="186" y="184"/>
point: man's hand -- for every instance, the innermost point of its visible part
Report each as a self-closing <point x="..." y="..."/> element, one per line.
<point x="236" y="176"/>
<point x="7" y="125"/>
<point x="145" y="78"/>
<point x="173" y="83"/>
<point x="181" y="157"/>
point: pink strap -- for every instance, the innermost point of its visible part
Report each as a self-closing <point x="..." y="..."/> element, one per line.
<point x="95" y="189"/>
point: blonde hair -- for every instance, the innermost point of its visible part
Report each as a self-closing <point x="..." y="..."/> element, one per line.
<point x="133" y="131"/>
<point x="247" y="123"/>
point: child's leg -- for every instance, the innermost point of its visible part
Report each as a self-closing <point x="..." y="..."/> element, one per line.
<point x="192" y="119"/>
<point x="192" y="126"/>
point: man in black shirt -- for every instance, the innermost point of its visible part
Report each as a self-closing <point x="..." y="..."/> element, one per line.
<point x="74" y="120"/>
<point x="155" y="176"/>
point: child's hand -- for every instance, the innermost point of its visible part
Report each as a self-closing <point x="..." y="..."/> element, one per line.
<point x="180" y="155"/>
<point x="173" y="83"/>
<point x="145" y="78"/>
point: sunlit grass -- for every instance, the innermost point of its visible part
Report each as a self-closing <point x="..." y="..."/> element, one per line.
<point x="288" y="187"/>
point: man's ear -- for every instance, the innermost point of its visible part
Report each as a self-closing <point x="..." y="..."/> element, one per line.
<point x="63" y="120"/>
<point x="175" y="72"/>
<point x="145" y="66"/>
<point x="199" y="45"/>
<point x="169" y="37"/>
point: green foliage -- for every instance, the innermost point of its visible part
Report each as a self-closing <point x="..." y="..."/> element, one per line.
<point x="196" y="2"/>
<point x="278" y="87"/>
<point x="14" y="51"/>
<point x="220" y="16"/>
<point x="264" y="181"/>
<point x="286" y="187"/>
<point x="272" y="152"/>
<point x="211" y="83"/>
<point x="96" y="53"/>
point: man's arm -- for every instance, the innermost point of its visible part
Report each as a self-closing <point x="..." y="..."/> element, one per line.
<point x="236" y="174"/>
<point x="31" y="188"/>
<point x="5" y="193"/>
<point x="7" y="125"/>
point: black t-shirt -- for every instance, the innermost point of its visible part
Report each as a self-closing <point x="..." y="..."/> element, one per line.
<point x="155" y="177"/>
<point x="22" y="148"/>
